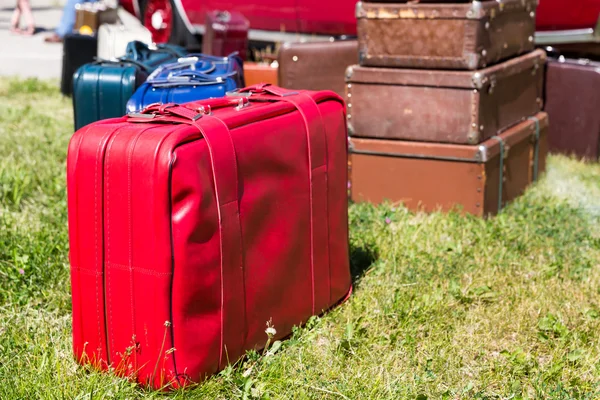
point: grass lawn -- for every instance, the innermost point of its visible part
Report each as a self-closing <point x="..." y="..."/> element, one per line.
<point x="444" y="307"/>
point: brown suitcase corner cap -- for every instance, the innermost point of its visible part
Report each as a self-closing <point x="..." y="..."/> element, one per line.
<point x="479" y="79"/>
<point x="474" y="10"/>
<point x="350" y="72"/>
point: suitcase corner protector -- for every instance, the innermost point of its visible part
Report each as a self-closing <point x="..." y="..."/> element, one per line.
<point x="476" y="10"/>
<point x="481" y="155"/>
<point x="473" y="61"/>
<point x="359" y="11"/>
<point x="349" y="73"/>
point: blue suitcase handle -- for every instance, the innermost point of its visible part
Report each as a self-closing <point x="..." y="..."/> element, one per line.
<point x="193" y="63"/>
<point x="191" y="78"/>
<point x="140" y="51"/>
<point x="212" y="58"/>
<point x="194" y="69"/>
<point x="190" y="74"/>
<point x="121" y="61"/>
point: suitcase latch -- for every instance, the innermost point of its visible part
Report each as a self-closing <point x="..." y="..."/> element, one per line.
<point x="237" y="93"/>
<point x="243" y="102"/>
<point x="141" y="115"/>
<point x="204" y="110"/>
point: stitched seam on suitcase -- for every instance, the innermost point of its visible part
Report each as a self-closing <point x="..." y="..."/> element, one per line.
<point x="121" y="268"/>
<point x="86" y="271"/>
<point x="76" y="194"/>
<point x="108" y="299"/>
<point x="144" y="271"/>
<point x="172" y="248"/>
<point x="100" y="156"/>
<point x="98" y="151"/>
<point x="130" y="227"/>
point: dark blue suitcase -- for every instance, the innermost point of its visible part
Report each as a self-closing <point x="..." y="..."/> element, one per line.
<point x="195" y="77"/>
<point x="101" y="89"/>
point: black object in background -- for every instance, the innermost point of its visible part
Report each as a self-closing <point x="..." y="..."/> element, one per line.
<point x="77" y="50"/>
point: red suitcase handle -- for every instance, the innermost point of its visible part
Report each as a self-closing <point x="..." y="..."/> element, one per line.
<point x="265" y="88"/>
<point x="238" y="97"/>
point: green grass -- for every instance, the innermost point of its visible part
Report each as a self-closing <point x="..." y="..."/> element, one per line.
<point x="445" y="306"/>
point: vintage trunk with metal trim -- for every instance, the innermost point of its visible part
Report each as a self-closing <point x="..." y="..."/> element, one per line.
<point x="426" y="176"/>
<point x="572" y="100"/>
<point x="316" y="65"/>
<point x="444" y="36"/>
<point x="462" y="107"/>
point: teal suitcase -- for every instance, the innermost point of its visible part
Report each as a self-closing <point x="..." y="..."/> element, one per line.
<point x="101" y="89"/>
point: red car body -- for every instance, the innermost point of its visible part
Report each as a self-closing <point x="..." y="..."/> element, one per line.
<point x="555" y="15"/>
<point x="274" y="20"/>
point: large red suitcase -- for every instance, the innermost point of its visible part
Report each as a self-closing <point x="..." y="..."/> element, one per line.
<point x="192" y="227"/>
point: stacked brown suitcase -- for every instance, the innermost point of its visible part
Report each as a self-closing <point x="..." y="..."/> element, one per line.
<point x="444" y="110"/>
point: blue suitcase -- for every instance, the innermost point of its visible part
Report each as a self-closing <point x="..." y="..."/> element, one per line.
<point x="152" y="58"/>
<point x="101" y="89"/>
<point x="195" y="77"/>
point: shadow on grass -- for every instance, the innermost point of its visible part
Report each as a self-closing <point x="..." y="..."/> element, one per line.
<point x="361" y="259"/>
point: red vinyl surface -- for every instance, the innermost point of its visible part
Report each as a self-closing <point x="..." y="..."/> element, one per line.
<point x="336" y="17"/>
<point x="567" y="14"/>
<point x="192" y="234"/>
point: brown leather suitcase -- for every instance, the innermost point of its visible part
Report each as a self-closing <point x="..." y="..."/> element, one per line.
<point x="572" y="101"/>
<point x="462" y="107"/>
<point x="431" y="176"/>
<point x="445" y="36"/>
<point x="226" y="33"/>
<point x="316" y="65"/>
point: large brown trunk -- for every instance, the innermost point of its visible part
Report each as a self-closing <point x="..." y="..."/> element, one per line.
<point x="444" y="36"/>
<point x="462" y="107"/>
<point x="428" y="176"/>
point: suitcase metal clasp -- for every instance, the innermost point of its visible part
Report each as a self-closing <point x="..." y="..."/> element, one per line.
<point x="141" y="115"/>
<point x="237" y="93"/>
<point x="243" y="102"/>
<point x="204" y="110"/>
